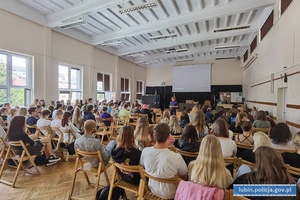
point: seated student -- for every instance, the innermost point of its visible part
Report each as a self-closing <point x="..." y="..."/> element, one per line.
<point x="142" y="134"/>
<point x="105" y="117"/>
<point x="67" y="126"/>
<point x="260" y="139"/>
<point x="88" y="142"/>
<point x="57" y="121"/>
<point x="232" y="118"/>
<point x="293" y="159"/>
<point x="44" y="121"/>
<point x="16" y="132"/>
<point x="160" y="162"/>
<point x="3" y="113"/>
<point x="240" y="118"/>
<point x="230" y="136"/>
<point x="189" y="142"/>
<point x="124" y="112"/>
<point x="220" y="129"/>
<point x="261" y="120"/>
<point x="77" y="118"/>
<point x="88" y="114"/>
<point x="123" y="151"/>
<point x="246" y="136"/>
<point x="165" y="117"/>
<point x="58" y="106"/>
<point x="209" y="167"/>
<point x="11" y="112"/>
<point x="200" y="125"/>
<point x="269" y="118"/>
<point x="174" y="126"/>
<point x="269" y="169"/>
<point x="146" y="110"/>
<point x="281" y="137"/>
<point x="32" y="119"/>
<point x="184" y="119"/>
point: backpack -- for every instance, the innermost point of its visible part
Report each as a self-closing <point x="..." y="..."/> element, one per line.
<point x="117" y="194"/>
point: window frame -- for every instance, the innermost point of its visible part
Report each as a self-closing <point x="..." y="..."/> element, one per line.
<point x="139" y="85"/>
<point x="69" y="89"/>
<point x="125" y="91"/>
<point x="9" y="86"/>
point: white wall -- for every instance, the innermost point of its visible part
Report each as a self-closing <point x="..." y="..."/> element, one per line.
<point x="279" y="48"/>
<point x="49" y="48"/>
<point x="231" y="69"/>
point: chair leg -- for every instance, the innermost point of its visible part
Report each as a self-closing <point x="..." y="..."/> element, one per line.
<point x="87" y="178"/>
<point x="35" y="167"/>
<point x="112" y="184"/>
<point x="18" y="169"/>
<point x="106" y="177"/>
<point x="74" y="177"/>
<point x="4" y="161"/>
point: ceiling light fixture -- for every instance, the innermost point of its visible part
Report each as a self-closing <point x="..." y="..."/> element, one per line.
<point x="138" y="8"/>
<point x="135" y="55"/>
<point x="184" y="60"/>
<point x="231" y="28"/>
<point x="228" y="47"/>
<point x="73" y="24"/>
<point x="173" y="50"/>
<point x="116" y="43"/>
<point x="172" y="35"/>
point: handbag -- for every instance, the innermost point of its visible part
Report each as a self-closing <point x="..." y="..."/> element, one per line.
<point x="36" y="149"/>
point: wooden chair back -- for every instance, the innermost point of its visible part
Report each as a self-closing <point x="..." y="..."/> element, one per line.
<point x="294" y="171"/>
<point x="186" y="153"/>
<point x="116" y="180"/>
<point x="147" y="194"/>
<point x="264" y="130"/>
<point x="18" y="160"/>
<point x="46" y="129"/>
<point x="280" y="150"/>
<point x="234" y="161"/>
<point x="246" y="162"/>
<point x="244" y="146"/>
<point x="82" y="165"/>
<point x="27" y="127"/>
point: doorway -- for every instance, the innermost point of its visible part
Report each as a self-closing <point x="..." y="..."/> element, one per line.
<point x="281" y="104"/>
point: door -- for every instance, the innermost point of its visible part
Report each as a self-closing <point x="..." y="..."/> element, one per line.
<point x="281" y="104"/>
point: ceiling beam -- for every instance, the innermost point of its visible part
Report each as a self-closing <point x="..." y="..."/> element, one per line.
<point x="217" y="11"/>
<point x="79" y="10"/>
<point x="185" y="40"/>
<point x="187" y="53"/>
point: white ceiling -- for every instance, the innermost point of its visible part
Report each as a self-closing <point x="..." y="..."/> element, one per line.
<point x="194" y="22"/>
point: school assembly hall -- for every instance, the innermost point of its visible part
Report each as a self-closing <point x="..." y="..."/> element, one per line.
<point x="131" y="90"/>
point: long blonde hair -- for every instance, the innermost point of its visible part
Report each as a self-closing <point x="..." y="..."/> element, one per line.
<point x="76" y="118"/>
<point x="174" y="125"/>
<point x="261" y="139"/>
<point x="141" y="132"/>
<point x="199" y="122"/>
<point x="209" y="167"/>
<point x="239" y="118"/>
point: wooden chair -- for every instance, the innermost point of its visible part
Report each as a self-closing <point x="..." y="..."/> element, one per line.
<point x="107" y="131"/>
<point x="122" y="121"/>
<point x="279" y="150"/>
<point x="264" y="130"/>
<point x="27" y="127"/>
<point x="59" y="141"/>
<point x="294" y="171"/>
<point x="82" y="165"/>
<point x="242" y="147"/>
<point x="45" y="129"/>
<point x="158" y="114"/>
<point x="147" y="194"/>
<point x="234" y="161"/>
<point x="186" y="153"/>
<point x="18" y="159"/>
<point x="116" y="180"/>
<point x="246" y="162"/>
<point x="177" y="137"/>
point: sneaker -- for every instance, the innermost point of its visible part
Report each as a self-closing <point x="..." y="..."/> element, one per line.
<point x="50" y="163"/>
<point x="53" y="158"/>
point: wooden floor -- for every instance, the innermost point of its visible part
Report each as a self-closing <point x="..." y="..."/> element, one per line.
<point x="53" y="183"/>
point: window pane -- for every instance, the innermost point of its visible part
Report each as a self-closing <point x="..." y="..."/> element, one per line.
<point x="75" y="78"/>
<point x="126" y="85"/>
<point x="75" y="95"/>
<point x="122" y="85"/>
<point x="19" y="71"/>
<point x="64" y="96"/>
<point x="139" y="96"/>
<point x="3" y="96"/>
<point x="99" y="77"/>
<point x="3" y="69"/>
<point x="99" y="86"/>
<point x="63" y="80"/>
<point x="100" y="96"/>
<point x="106" y="82"/>
<point x="17" y="96"/>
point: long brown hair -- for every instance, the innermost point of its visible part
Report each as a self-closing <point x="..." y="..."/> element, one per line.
<point x="220" y="128"/>
<point x="269" y="168"/>
<point x="16" y="125"/>
<point x="141" y="132"/>
<point x="199" y="122"/>
<point x="125" y="138"/>
<point x="65" y="118"/>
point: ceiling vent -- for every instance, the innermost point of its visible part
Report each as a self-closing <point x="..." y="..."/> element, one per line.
<point x="184" y="60"/>
<point x="172" y="35"/>
<point x="173" y="50"/>
<point x="232" y="28"/>
<point x="73" y="24"/>
<point x="138" y="8"/>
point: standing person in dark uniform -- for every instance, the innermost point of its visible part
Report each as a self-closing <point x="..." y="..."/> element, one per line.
<point x="173" y="106"/>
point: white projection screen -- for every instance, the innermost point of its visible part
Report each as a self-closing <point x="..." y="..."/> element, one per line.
<point x="192" y="78"/>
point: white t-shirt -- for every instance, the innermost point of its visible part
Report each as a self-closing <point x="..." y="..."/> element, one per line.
<point x="43" y="122"/>
<point x="228" y="146"/>
<point x="56" y="123"/>
<point x="162" y="163"/>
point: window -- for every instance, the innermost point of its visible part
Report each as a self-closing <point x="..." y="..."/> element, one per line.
<point x="69" y="83"/>
<point x="103" y="86"/>
<point x="125" y="90"/>
<point x="267" y="25"/>
<point x="245" y="56"/>
<point x="139" y="90"/>
<point x="253" y="45"/>
<point x="15" y="79"/>
<point x="285" y="4"/>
